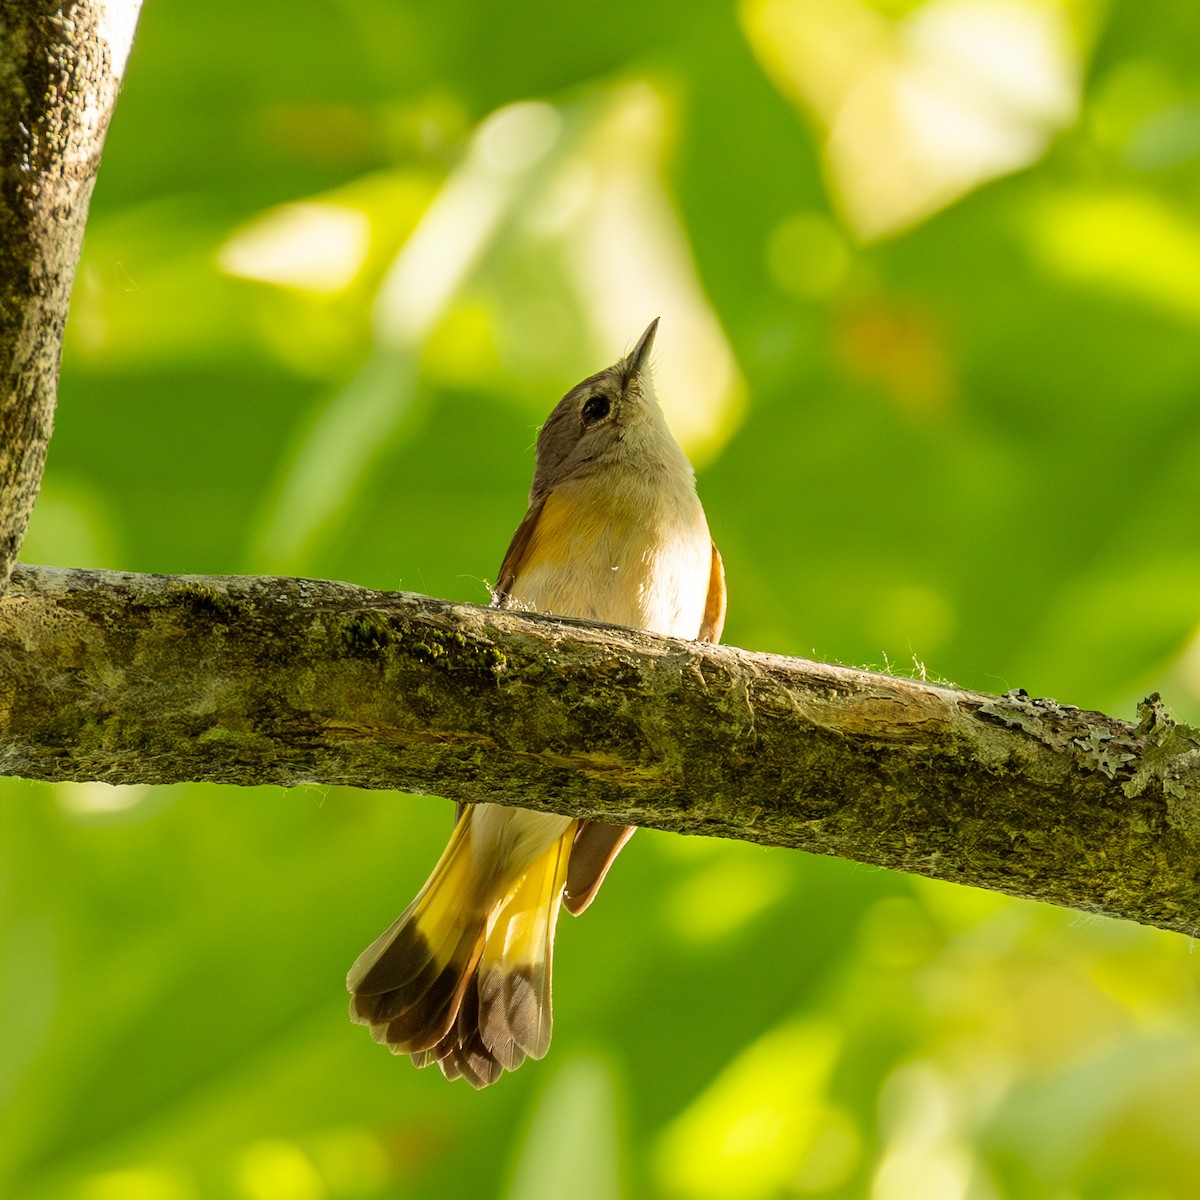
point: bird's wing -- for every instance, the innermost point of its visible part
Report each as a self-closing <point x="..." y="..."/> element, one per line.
<point x="714" y="607"/>
<point x="514" y="557"/>
<point x="597" y="844"/>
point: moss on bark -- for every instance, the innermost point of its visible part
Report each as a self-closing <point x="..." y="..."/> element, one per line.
<point x="156" y="679"/>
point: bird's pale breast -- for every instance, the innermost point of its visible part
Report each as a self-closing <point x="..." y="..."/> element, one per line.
<point x="640" y="557"/>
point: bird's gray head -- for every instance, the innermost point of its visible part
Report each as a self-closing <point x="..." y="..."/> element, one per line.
<point x="611" y="418"/>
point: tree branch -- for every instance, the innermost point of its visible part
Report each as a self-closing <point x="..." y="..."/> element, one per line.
<point x="161" y="679"/>
<point x="60" y="71"/>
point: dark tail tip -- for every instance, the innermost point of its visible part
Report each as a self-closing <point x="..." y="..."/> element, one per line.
<point x="434" y="1014"/>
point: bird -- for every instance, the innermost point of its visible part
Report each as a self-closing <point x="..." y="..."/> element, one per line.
<point x="614" y="532"/>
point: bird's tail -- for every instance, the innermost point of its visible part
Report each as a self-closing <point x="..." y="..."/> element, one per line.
<point x="462" y="977"/>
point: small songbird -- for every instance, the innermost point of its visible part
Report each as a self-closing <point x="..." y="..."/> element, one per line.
<point x="614" y="533"/>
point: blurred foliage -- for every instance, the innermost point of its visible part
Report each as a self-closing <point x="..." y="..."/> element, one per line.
<point x="928" y="275"/>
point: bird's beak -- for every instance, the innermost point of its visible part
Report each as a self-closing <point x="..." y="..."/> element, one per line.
<point x="639" y="356"/>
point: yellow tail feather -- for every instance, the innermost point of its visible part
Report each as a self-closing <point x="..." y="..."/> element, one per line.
<point x="462" y="977"/>
<point x="515" y="1014"/>
<point x="407" y="985"/>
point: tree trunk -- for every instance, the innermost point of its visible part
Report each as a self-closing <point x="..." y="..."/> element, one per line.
<point x="60" y="70"/>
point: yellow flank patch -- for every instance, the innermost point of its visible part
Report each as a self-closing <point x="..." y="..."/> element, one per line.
<point x="613" y="554"/>
<point x="567" y="528"/>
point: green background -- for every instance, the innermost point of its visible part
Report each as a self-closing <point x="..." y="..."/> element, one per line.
<point x="964" y="442"/>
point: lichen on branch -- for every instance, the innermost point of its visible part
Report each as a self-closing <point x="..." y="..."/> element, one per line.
<point x="160" y="679"/>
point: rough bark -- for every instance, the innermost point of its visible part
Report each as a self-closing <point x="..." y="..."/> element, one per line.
<point x="159" y="679"/>
<point x="60" y="70"/>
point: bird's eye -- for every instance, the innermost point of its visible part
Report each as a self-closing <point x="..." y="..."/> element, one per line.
<point x="596" y="408"/>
